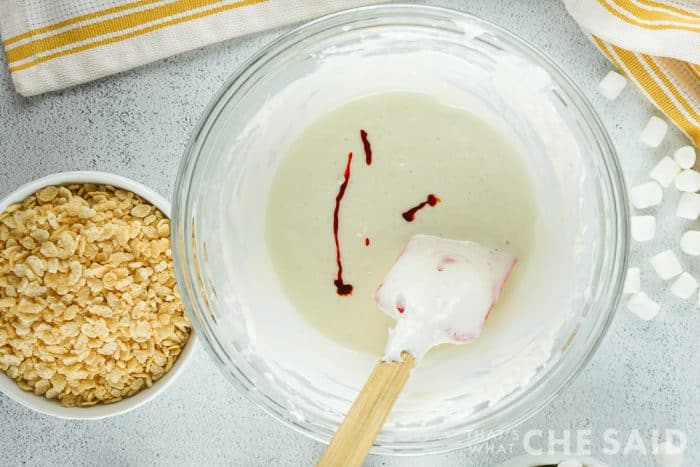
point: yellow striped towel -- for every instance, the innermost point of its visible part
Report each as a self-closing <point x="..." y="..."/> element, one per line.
<point x="54" y="44"/>
<point x="656" y="43"/>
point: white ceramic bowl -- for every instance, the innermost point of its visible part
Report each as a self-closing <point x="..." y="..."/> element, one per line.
<point x="52" y="407"/>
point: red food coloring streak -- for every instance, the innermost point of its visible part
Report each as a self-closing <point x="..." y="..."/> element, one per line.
<point x="410" y="215"/>
<point x="341" y="287"/>
<point x="366" y="241"/>
<point x="368" y="147"/>
<point x="400" y="309"/>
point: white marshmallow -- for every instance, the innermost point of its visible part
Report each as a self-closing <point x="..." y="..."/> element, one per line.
<point x="643" y="306"/>
<point x="685" y="157"/>
<point x="632" y="281"/>
<point x="688" y="180"/>
<point x="665" y="171"/>
<point x="690" y="243"/>
<point x="654" y="132"/>
<point x="688" y="206"/>
<point x="612" y="85"/>
<point x="646" y="195"/>
<point x="643" y="228"/>
<point x="684" y="286"/>
<point x="668" y="454"/>
<point x="666" y="264"/>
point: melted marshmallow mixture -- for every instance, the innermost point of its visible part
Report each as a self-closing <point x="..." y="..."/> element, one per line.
<point x="354" y="185"/>
<point x="433" y="170"/>
<point x="331" y="175"/>
<point x="353" y="188"/>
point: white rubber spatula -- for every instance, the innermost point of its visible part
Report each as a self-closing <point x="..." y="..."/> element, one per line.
<point x="438" y="291"/>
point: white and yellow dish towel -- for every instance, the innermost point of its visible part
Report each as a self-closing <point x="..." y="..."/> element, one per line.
<point x="656" y="43"/>
<point x="54" y="44"/>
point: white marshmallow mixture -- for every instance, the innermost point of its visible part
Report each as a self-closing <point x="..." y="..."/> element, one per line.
<point x="488" y="140"/>
<point x="487" y="193"/>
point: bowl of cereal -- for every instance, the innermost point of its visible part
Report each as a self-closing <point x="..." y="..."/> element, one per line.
<point x="91" y="323"/>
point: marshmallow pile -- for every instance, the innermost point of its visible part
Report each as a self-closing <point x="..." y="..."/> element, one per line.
<point x="677" y="171"/>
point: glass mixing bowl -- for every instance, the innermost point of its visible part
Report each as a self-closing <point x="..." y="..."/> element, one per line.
<point x="219" y="206"/>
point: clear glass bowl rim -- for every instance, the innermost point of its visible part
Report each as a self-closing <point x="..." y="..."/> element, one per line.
<point x="187" y="272"/>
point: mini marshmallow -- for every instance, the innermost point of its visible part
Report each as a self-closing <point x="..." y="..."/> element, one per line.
<point x="688" y="180"/>
<point x="646" y="195"/>
<point x="684" y="286"/>
<point x="643" y="306"/>
<point x="643" y="228"/>
<point x="654" y="132"/>
<point x="612" y="85"/>
<point x="632" y="281"/>
<point x="666" y="264"/>
<point x="665" y="171"/>
<point x="689" y="206"/>
<point x="690" y="243"/>
<point x="685" y="157"/>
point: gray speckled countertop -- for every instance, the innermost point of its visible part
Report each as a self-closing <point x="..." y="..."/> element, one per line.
<point x="645" y="376"/>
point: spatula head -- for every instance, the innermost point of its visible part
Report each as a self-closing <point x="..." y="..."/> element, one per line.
<point x="441" y="290"/>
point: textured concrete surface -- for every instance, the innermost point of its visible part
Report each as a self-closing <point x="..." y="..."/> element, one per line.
<point x="644" y="376"/>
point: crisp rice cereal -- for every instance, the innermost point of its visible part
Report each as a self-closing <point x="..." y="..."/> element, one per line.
<point x="89" y="307"/>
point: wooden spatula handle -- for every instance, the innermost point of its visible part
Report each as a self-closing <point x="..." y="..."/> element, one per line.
<point x="355" y="437"/>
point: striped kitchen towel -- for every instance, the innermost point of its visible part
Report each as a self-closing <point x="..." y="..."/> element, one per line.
<point x="656" y="43"/>
<point x="54" y="44"/>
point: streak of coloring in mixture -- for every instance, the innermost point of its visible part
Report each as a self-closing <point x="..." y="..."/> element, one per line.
<point x="342" y="288"/>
